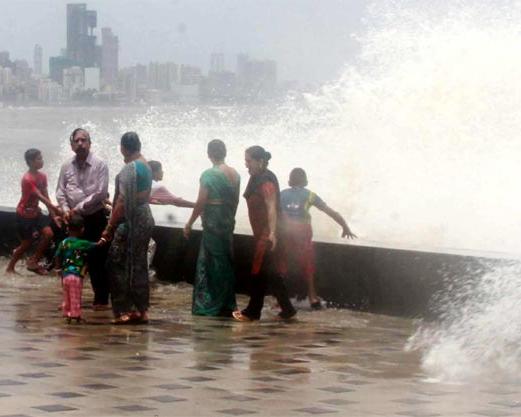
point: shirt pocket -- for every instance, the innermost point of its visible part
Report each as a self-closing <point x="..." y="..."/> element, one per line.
<point x="71" y="181"/>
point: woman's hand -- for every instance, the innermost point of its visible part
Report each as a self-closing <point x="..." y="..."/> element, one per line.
<point x="273" y="240"/>
<point x="187" y="230"/>
<point x="108" y="234"/>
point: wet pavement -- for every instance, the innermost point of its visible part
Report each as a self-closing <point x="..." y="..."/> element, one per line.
<point x="335" y="362"/>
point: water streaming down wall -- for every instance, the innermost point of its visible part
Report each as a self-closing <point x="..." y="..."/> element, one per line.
<point x="478" y="333"/>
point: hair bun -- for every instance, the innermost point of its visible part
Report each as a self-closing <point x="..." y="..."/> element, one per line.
<point x="267" y="156"/>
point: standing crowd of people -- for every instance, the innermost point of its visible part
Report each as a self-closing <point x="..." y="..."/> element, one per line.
<point x="110" y="240"/>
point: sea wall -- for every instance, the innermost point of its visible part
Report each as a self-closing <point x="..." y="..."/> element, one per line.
<point x="375" y="279"/>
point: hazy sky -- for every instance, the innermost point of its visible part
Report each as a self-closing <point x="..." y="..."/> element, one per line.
<point x="310" y="39"/>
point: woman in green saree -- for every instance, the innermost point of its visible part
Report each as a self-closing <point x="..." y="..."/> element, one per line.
<point x="130" y="228"/>
<point x="214" y="284"/>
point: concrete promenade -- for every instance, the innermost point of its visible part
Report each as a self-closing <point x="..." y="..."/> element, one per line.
<point x="332" y="362"/>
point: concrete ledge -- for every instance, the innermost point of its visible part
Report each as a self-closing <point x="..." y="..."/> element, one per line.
<point x="376" y="279"/>
<point x="381" y="280"/>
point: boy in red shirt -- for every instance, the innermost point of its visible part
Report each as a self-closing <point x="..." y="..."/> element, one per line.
<point x="30" y="221"/>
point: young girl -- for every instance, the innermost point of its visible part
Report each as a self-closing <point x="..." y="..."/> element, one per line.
<point x="297" y="233"/>
<point x="70" y="260"/>
<point x="30" y="221"/>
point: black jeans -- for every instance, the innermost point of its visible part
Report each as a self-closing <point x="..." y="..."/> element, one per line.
<point x="268" y="280"/>
<point x="95" y="223"/>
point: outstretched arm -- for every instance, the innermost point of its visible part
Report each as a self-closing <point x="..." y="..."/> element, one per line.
<point x="44" y="198"/>
<point x="162" y="196"/>
<point x="198" y="209"/>
<point x="337" y="217"/>
<point x="181" y="202"/>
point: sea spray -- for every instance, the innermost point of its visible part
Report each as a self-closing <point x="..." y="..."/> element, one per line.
<point x="478" y="334"/>
<point x="416" y="142"/>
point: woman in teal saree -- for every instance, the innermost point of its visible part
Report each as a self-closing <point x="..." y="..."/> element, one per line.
<point x="214" y="284"/>
<point x="130" y="228"/>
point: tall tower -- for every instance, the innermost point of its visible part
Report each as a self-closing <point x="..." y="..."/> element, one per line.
<point x="37" y="60"/>
<point x="81" y="42"/>
<point x="109" y="57"/>
<point x="217" y="62"/>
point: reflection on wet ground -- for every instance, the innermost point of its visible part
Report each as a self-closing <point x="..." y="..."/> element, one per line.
<point x="327" y="362"/>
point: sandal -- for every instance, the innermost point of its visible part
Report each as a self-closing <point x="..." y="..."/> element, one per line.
<point x="123" y="319"/>
<point x="238" y="315"/>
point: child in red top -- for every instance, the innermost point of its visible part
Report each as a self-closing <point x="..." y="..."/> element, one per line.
<point x="30" y="221"/>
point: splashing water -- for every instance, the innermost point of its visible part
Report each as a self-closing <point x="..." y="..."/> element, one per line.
<point x="479" y="333"/>
<point x="446" y="88"/>
<point x="415" y="143"/>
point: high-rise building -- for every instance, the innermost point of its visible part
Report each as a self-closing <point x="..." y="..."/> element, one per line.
<point x="37" y="60"/>
<point x="256" y="79"/>
<point x="109" y="57"/>
<point x="162" y="75"/>
<point x="189" y="75"/>
<point x="4" y="59"/>
<point x="217" y="62"/>
<point x="56" y="66"/>
<point x="242" y="63"/>
<point x="21" y="70"/>
<point x="81" y="41"/>
<point x="73" y="80"/>
<point x="128" y="82"/>
<point x="92" y="78"/>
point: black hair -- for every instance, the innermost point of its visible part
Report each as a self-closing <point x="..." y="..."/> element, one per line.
<point x="298" y="178"/>
<point x="76" y="222"/>
<point x="31" y="154"/>
<point x="130" y="141"/>
<point x="78" y="129"/>
<point x="259" y="154"/>
<point x="155" y="166"/>
<point x="217" y="149"/>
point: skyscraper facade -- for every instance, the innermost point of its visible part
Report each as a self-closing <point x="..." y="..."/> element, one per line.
<point x="81" y="42"/>
<point x="217" y="62"/>
<point x="37" y="60"/>
<point x="109" y="57"/>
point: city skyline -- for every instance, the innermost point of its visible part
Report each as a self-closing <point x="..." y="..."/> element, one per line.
<point x="88" y="72"/>
<point x="310" y="42"/>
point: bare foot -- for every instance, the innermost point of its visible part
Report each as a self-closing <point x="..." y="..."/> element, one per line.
<point x="37" y="269"/>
